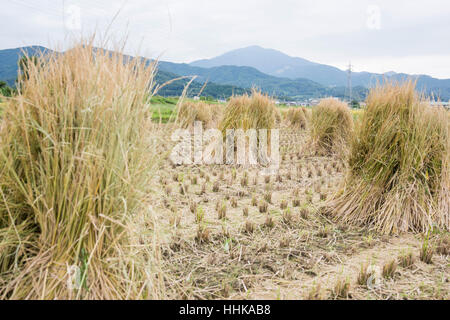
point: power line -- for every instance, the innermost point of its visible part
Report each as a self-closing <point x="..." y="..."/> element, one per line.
<point x="349" y="82"/>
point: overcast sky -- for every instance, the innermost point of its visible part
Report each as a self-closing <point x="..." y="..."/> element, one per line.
<point x="411" y="36"/>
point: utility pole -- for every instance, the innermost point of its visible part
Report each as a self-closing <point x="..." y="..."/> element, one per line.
<point x="349" y="82"/>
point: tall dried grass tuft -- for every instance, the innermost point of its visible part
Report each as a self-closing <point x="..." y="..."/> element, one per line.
<point x="73" y="171"/>
<point x="331" y="127"/>
<point x="297" y="117"/>
<point x="399" y="176"/>
<point x="245" y="112"/>
<point x="189" y="112"/>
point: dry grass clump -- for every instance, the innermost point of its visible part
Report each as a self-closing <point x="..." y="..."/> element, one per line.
<point x="331" y="127"/>
<point x="426" y="252"/>
<point x="364" y="275"/>
<point x="245" y="112"/>
<point x="73" y="170"/>
<point x="406" y="260"/>
<point x="443" y="245"/>
<point x="389" y="269"/>
<point x="315" y="293"/>
<point x="263" y="207"/>
<point x="341" y="289"/>
<point x="297" y="117"/>
<point x="399" y="176"/>
<point x="190" y="111"/>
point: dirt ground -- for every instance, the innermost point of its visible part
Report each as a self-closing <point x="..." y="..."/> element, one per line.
<point x="230" y="233"/>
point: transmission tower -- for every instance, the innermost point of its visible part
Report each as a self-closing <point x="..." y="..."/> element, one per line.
<point x="349" y="82"/>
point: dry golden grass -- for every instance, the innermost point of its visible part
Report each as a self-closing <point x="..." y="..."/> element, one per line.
<point x="73" y="172"/>
<point x="189" y="112"/>
<point x="331" y="127"/>
<point x="297" y="117"/>
<point x="245" y="112"/>
<point x="399" y="177"/>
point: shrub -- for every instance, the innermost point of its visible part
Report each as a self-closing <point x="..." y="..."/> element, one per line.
<point x="398" y="176"/>
<point x="331" y="127"/>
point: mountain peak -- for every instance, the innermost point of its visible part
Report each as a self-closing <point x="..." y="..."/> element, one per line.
<point x="390" y="73"/>
<point x="266" y="60"/>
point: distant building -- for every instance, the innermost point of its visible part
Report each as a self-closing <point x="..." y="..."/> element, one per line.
<point x="196" y="98"/>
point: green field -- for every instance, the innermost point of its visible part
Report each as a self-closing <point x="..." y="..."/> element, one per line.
<point x="163" y="108"/>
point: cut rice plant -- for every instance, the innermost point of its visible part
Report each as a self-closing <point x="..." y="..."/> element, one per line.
<point x="203" y="234"/>
<point x="389" y="269"/>
<point x="245" y="112"/>
<point x="190" y="111"/>
<point x="222" y="211"/>
<point x="304" y="213"/>
<point x="193" y="206"/>
<point x="199" y="215"/>
<point x="297" y="117"/>
<point x="254" y="201"/>
<point x="249" y="227"/>
<point x="399" y="176"/>
<point x="331" y="127"/>
<point x="287" y="216"/>
<point x="263" y="207"/>
<point x="341" y="289"/>
<point x="269" y="223"/>
<point x="364" y="275"/>
<point x="406" y="259"/>
<point x="443" y="245"/>
<point x="427" y="251"/>
<point x="73" y="173"/>
<point x="315" y="293"/>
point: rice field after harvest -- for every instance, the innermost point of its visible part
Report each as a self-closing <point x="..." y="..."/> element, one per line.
<point x="231" y="233"/>
<point x="96" y="204"/>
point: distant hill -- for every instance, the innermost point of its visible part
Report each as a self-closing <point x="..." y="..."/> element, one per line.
<point x="222" y="81"/>
<point x="271" y="71"/>
<point x="9" y="67"/>
<point x="9" y="59"/>
<point x="212" y="89"/>
<point x="248" y="77"/>
<point x="278" y="64"/>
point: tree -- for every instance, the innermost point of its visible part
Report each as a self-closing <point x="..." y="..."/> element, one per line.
<point x="5" y="90"/>
<point x="355" y="104"/>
